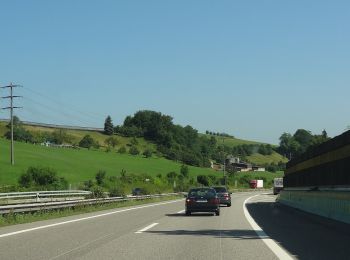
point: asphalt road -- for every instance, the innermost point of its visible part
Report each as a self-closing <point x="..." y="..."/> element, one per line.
<point x="162" y="231"/>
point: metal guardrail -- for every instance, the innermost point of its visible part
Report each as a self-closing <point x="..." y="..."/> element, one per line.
<point x="14" y="197"/>
<point x="74" y="203"/>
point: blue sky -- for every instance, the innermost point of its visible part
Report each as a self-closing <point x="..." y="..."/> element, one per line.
<point x="253" y="69"/>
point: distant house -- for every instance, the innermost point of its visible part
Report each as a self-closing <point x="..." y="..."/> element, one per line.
<point x="49" y="144"/>
<point x="258" y="169"/>
<point x="235" y="164"/>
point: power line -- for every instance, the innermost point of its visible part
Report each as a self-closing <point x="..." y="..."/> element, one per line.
<point x="72" y="107"/>
<point x="58" y="111"/>
<point x="11" y="107"/>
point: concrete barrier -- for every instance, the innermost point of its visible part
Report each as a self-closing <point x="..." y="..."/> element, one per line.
<point x="330" y="204"/>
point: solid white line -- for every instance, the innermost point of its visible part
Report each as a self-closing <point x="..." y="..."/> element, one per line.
<point x="275" y="248"/>
<point x="146" y="228"/>
<point x="86" y="218"/>
<point x="182" y="211"/>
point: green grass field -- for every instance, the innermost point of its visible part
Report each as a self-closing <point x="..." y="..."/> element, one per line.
<point x="77" y="135"/>
<point x="229" y="141"/>
<point x="255" y="158"/>
<point x="80" y="165"/>
<point x="260" y="159"/>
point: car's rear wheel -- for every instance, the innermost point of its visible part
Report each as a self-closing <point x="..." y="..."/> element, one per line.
<point x="188" y="213"/>
<point x="228" y="205"/>
<point x="217" y="213"/>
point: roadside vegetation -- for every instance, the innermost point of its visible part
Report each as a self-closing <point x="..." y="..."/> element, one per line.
<point x="21" y="218"/>
<point x="148" y="151"/>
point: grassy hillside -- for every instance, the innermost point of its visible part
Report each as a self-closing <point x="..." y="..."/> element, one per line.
<point x="80" y="165"/>
<point x="229" y="141"/>
<point x="77" y="135"/>
<point x="260" y="159"/>
<point x="255" y="158"/>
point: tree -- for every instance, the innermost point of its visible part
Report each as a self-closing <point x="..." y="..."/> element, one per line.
<point x="147" y="153"/>
<point x="304" y="138"/>
<point x="134" y="141"/>
<point x="134" y="151"/>
<point x="184" y="171"/>
<point x="60" y="136"/>
<point x="87" y="142"/>
<point x="171" y="176"/>
<point x="122" y="150"/>
<point x="43" y="177"/>
<point x="108" y="127"/>
<point x="100" y="177"/>
<point x="19" y="132"/>
<point x="203" y="179"/>
<point x="111" y="141"/>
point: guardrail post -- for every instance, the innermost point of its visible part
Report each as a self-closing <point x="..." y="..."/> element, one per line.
<point x="37" y="197"/>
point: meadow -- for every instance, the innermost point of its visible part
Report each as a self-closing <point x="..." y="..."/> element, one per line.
<point x="78" y="165"/>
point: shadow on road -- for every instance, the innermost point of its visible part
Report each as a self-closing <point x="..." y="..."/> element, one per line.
<point x="192" y="215"/>
<point x="304" y="235"/>
<point x="237" y="234"/>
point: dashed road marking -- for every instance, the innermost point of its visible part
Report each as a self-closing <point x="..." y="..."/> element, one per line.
<point x="85" y="218"/>
<point x="146" y="228"/>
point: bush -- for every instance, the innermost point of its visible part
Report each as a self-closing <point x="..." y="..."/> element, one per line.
<point x="147" y="153"/>
<point x="134" y="151"/>
<point x="122" y="150"/>
<point x="203" y="179"/>
<point x="42" y="177"/>
<point x="184" y="171"/>
<point x="87" y="142"/>
<point x="97" y="192"/>
<point x="100" y="177"/>
<point x="117" y="191"/>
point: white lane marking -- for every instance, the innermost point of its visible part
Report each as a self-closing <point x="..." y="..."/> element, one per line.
<point x="275" y="248"/>
<point x="181" y="211"/>
<point x="146" y="228"/>
<point x="86" y="218"/>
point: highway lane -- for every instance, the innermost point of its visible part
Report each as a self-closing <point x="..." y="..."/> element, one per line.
<point x="162" y="231"/>
<point x="113" y="236"/>
<point x="304" y="235"/>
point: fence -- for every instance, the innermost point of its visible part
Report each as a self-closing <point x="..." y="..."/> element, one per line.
<point x="17" y="208"/>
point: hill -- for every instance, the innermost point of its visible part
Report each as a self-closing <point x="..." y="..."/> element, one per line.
<point x="77" y="135"/>
<point x="230" y="141"/>
<point x="78" y="165"/>
<point x="255" y="158"/>
<point x="143" y="144"/>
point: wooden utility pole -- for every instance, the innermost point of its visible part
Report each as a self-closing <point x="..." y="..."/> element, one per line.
<point x="11" y="107"/>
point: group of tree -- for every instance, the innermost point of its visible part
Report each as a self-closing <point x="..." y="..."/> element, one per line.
<point x="59" y="136"/>
<point x="42" y="178"/>
<point x="294" y="145"/>
<point x="219" y="134"/>
<point x="123" y="183"/>
<point x="174" y="141"/>
<point x="89" y="142"/>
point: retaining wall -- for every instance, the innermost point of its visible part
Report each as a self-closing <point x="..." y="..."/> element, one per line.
<point x="330" y="204"/>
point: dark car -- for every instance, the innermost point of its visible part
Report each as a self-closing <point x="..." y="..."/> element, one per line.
<point x="202" y="200"/>
<point x="137" y="192"/>
<point x="224" y="195"/>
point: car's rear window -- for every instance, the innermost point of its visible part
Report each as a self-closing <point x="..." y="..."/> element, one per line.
<point x="208" y="193"/>
<point x="220" y="189"/>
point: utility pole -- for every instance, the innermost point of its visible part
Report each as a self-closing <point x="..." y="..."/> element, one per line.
<point x="224" y="161"/>
<point x="11" y="107"/>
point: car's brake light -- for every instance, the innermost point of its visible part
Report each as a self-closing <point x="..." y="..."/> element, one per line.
<point x="189" y="201"/>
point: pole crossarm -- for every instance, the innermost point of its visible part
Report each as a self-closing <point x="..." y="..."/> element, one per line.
<point x="11" y="96"/>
